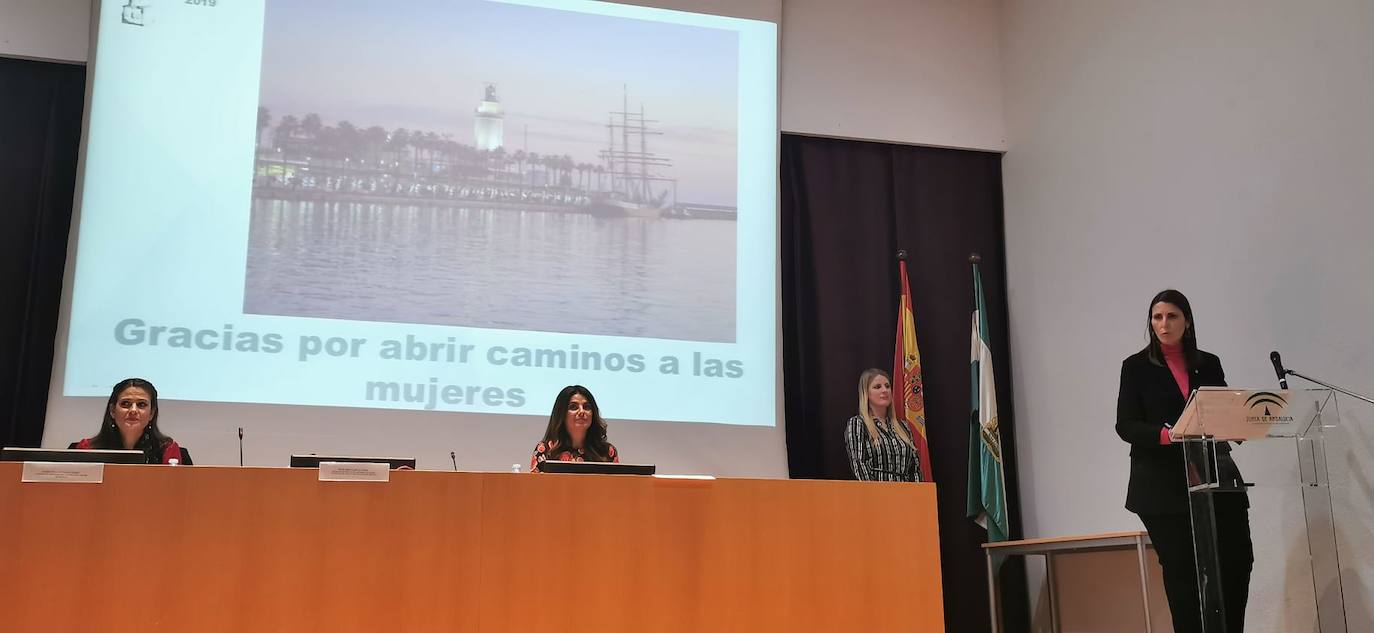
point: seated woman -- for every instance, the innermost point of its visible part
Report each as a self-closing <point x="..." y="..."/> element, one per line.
<point x="576" y="432"/>
<point x="131" y="424"/>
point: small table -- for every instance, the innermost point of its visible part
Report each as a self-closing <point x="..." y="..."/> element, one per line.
<point x="1049" y="547"/>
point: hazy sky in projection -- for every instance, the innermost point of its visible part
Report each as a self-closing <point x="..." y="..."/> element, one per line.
<point x="421" y="65"/>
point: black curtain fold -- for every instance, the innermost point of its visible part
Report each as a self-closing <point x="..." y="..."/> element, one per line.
<point x="847" y="208"/>
<point x="40" y="132"/>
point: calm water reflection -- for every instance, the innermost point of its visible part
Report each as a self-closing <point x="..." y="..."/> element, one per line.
<point x="524" y="270"/>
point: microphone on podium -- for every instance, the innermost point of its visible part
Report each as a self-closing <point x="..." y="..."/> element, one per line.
<point x="240" y="447"/>
<point x="1278" y="369"/>
<point x="453" y="456"/>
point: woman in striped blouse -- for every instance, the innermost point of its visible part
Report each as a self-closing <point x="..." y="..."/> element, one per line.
<point x="880" y="447"/>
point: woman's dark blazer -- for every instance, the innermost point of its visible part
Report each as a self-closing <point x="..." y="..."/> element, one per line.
<point x="1149" y="400"/>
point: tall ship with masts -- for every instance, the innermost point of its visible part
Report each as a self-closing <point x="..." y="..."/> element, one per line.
<point x="637" y="186"/>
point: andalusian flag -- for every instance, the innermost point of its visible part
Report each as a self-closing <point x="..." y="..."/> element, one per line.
<point x="987" y="499"/>
<point x="906" y="377"/>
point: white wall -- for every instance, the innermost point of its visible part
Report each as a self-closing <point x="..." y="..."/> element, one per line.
<point x="1222" y="148"/>
<point x="45" y="29"/>
<point x="923" y="72"/>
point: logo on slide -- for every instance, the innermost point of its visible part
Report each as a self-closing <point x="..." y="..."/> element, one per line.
<point x="132" y="13"/>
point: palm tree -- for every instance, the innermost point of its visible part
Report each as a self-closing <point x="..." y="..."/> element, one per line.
<point x="286" y="127"/>
<point x="374" y="138"/>
<point x="311" y="124"/>
<point x="436" y="152"/>
<point x="535" y="160"/>
<point x="586" y="169"/>
<point x="349" y="141"/>
<point x="264" y="120"/>
<point x="281" y="139"/>
<point x="400" y="139"/>
<point x="431" y="142"/>
<point x="567" y="164"/>
<point x="502" y="162"/>
<point x="550" y="164"/>
<point x="417" y="150"/>
<point x="326" y="144"/>
<point x="460" y="158"/>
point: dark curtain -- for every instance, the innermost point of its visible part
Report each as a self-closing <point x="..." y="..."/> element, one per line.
<point x="40" y="130"/>
<point x="847" y="208"/>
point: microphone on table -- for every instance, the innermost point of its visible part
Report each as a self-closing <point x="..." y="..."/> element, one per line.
<point x="240" y="447"/>
<point x="1278" y="369"/>
<point x="453" y="456"/>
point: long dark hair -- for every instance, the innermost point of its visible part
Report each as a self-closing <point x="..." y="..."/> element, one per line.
<point x="1190" y="353"/>
<point x="594" y="446"/>
<point x="152" y="442"/>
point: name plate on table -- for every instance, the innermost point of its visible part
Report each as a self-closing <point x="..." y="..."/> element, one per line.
<point x="63" y="472"/>
<point x="355" y="471"/>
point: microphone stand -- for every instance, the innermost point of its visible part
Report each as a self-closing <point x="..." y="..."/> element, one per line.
<point x="1330" y="386"/>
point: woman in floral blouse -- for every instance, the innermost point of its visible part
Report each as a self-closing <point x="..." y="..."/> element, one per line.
<point x="576" y="432"/>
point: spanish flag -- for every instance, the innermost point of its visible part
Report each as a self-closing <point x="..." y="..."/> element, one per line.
<point x="906" y="377"/>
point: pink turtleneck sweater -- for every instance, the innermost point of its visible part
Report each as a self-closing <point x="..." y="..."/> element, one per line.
<point x="1178" y="366"/>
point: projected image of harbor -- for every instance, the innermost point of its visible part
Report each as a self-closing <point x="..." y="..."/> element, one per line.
<point x="547" y="170"/>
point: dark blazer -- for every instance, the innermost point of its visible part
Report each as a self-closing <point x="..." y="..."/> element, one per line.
<point x="1149" y="399"/>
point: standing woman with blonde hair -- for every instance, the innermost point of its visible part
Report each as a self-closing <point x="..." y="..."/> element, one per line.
<point x="880" y="446"/>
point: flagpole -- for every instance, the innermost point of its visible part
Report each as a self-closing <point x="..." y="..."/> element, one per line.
<point x="974" y="259"/>
<point x="906" y="374"/>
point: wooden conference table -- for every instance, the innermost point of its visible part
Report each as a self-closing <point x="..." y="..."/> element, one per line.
<point x="163" y="548"/>
<point x="1137" y="541"/>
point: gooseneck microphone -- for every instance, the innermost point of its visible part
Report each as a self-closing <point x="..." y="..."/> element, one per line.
<point x="454" y="457"/>
<point x="240" y="447"/>
<point x="1278" y="369"/>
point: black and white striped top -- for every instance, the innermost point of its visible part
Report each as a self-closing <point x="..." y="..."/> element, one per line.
<point x="891" y="460"/>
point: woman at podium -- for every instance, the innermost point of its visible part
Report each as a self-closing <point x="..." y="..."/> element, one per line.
<point x="576" y="432"/>
<point x="1155" y="383"/>
<point x="880" y="448"/>
<point x="131" y="424"/>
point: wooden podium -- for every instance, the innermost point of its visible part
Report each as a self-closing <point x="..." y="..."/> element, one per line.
<point x="159" y="548"/>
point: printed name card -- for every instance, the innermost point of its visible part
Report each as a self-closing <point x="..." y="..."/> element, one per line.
<point x="61" y="472"/>
<point x="354" y="471"/>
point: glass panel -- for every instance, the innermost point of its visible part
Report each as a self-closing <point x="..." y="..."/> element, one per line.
<point x="1292" y="518"/>
<point x="1321" y="523"/>
<point x="1243" y="414"/>
<point x="1204" y="485"/>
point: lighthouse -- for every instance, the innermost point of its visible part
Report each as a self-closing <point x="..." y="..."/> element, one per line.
<point x="488" y="122"/>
